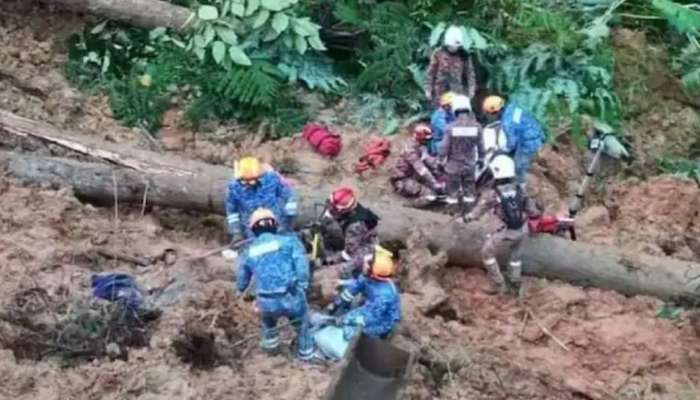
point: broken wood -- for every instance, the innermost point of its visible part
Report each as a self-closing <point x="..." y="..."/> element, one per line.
<point x="115" y="255"/>
<point x="143" y="13"/>
<point x="187" y="184"/>
<point x="547" y="331"/>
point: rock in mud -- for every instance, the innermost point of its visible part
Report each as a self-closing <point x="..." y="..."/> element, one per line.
<point x="197" y="347"/>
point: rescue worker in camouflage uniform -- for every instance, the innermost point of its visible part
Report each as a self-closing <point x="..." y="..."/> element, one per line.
<point x="460" y="148"/>
<point x="345" y="217"/>
<point x="417" y="172"/>
<point x="255" y="186"/>
<point x="524" y="133"/>
<point x="380" y="313"/>
<point x="441" y="118"/>
<point x="513" y="208"/>
<point x="451" y="69"/>
<point x="281" y="271"/>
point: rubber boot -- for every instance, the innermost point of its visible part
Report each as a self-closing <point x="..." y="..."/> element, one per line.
<point x="497" y="284"/>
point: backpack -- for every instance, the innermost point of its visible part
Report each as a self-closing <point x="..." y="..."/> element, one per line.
<point x="324" y="142"/>
<point x="360" y="214"/>
<point x="512" y="204"/>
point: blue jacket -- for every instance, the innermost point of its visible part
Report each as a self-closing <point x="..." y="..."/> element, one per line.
<point x="381" y="311"/>
<point x="524" y="133"/>
<point x="271" y="192"/>
<point x="278" y="263"/>
<point x="438" y="123"/>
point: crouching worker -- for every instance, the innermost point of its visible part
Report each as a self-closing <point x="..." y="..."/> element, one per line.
<point x="356" y="225"/>
<point x="281" y="271"/>
<point x="256" y="185"/>
<point x="513" y="208"/>
<point x="416" y="170"/>
<point x="380" y="313"/>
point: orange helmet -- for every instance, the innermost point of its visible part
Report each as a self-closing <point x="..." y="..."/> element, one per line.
<point x="493" y="104"/>
<point x="382" y="264"/>
<point x="422" y="132"/>
<point x="343" y="199"/>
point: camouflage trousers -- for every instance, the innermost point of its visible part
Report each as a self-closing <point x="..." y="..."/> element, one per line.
<point x="410" y="187"/>
<point x="461" y="177"/>
<point x="511" y="239"/>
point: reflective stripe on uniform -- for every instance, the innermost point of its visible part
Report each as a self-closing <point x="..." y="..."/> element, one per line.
<point x="516" y="263"/>
<point x="345" y="256"/>
<point x="468" y="131"/>
<point x="263" y="248"/>
<point x="306" y="354"/>
<point x="346" y="296"/>
<point x="233" y="218"/>
<point x="518" y="115"/>
<point x="291" y="207"/>
<point x="271" y="342"/>
<point x="490" y="261"/>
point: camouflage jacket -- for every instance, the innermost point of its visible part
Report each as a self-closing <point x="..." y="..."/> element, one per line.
<point x="451" y="72"/>
<point x="461" y="142"/>
<point x="492" y="202"/>
<point x="415" y="161"/>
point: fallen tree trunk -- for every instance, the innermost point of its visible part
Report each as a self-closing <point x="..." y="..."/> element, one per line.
<point x="544" y="256"/>
<point x="144" y="13"/>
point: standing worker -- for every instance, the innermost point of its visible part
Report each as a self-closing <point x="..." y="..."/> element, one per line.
<point x="513" y="207"/>
<point x="524" y="134"/>
<point x="381" y="311"/>
<point x="357" y="225"/>
<point x="281" y="271"/>
<point x="253" y="187"/>
<point x="441" y="118"/>
<point x="416" y="172"/>
<point x="451" y="69"/>
<point x="460" y="147"/>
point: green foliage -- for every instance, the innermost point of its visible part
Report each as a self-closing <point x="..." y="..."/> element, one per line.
<point x="670" y="312"/>
<point x="685" y="18"/>
<point x="681" y="167"/>
<point x="316" y="71"/>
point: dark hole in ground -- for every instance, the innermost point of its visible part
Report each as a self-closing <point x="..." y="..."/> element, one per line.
<point x="446" y="311"/>
<point x="197" y="347"/>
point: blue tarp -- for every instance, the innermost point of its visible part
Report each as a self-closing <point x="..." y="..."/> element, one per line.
<point x="118" y="288"/>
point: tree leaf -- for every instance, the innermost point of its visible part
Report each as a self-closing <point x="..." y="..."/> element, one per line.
<point x="238" y="9"/>
<point x="437" y="33"/>
<point x="300" y="44"/>
<point x="208" y="13"/>
<point x="199" y="52"/>
<point x="99" y="27"/>
<point x="238" y="56"/>
<point x="304" y="27"/>
<point x="391" y="126"/>
<point x="209" y="35"/>
<point x="316" y="43"/>
<point x="280" y="22"/>
<point x="691" y="80"/>
<point x="467" y="42"/>
<point x="274" y="5"/>
<point x="156" y="33"/>
<point x="226" y="8"/>
<point x="253" y="6"/>
<point x="478" y="41"/>
<point x="682" y="17"/>
<point x="287" y="40"/>
<point x="199" y="41"/>
<point x="270" y="35"/>
<point x="218" y="51"/>
<point x="227" y="35"/>
<point x="261" y="18"/>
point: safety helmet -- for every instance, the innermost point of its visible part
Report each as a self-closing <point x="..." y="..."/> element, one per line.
<point x="502" y="167"/>
<point x="453" y="37"/>
<point x="447" y="98"/>
<point x="381" y="264"/>
<point x="422" y="132"/>
<point x="493" y="104"/>
<point x="461" y="103"/>
<point x="343" y="199"/>
<point x="262" y="219"/>
<point x="248" y="170"/>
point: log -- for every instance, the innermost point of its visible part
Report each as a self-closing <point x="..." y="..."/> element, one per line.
<point x="544" y="256"/>
<point x="181" y="183"/>
<point x="143" y="13"/>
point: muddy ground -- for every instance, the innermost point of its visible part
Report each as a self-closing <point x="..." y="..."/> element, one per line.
<point x="600" y="344"/>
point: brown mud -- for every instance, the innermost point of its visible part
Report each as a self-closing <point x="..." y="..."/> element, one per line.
<point x="470" y="346"/>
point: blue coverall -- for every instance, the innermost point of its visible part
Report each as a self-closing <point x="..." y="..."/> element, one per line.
<point x="438" y="123"/>
<point x="281" y="270"/>
<point x="525" y="138"/>
<point x="379" y="314"/>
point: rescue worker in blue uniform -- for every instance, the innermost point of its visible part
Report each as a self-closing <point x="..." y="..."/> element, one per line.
<point x="258" y="186"/>
<point x="524" y="133"/>
<point x="281" y="271"/>
<point x="441" y="118"/>
<point x="380" y="313"/>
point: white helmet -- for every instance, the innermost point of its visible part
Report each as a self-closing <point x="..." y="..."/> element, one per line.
<point x="453" y="37"/>
<point x="461" y="103"/>
<point x="502" y="167"/>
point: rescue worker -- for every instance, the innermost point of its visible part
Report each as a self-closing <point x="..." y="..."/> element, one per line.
<point x="513" y="208"/>
<point x="441" y="117"/>
<point x="255" y="186"/>
<point x="416" y="171"/>
<point x="460" y="148"/>
<point x="451" y="69"/>
<point x="357" y="225"/>
<point x="380" y="313"/>
<point x="281" y="271"/>
<point x="524" y="134"/>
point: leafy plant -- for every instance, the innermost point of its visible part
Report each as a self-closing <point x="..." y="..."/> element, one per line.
<point x="681" y="167"/>
<point x="686" y="20"/>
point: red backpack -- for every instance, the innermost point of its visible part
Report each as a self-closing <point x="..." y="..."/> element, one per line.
<point x="326" y="143"/>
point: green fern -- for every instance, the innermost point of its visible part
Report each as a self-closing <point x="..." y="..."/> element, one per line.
<point x="317" y="72"/>
<point x="257" y="85"/>
<point x="682" y="17"/>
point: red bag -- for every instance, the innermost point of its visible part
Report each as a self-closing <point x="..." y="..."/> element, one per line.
<point x="375" y="155"/>
<point x="544" y="224"/>
<point x="326" y="143"/>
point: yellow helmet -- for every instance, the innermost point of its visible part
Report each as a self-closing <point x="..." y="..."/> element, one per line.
<point x="248" y="169"/>
<point x="382" y="264"/>
<point x="447" y="98"/>
<point x="261" y="214"/>
<point x="493" y="104"/>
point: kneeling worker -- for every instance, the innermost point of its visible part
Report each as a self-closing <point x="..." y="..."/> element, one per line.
<point x="416" y="170"/>
<point x="281" y="271"/>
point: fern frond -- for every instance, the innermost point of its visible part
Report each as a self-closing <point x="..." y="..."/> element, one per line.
<point x="254" y="85"/>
